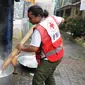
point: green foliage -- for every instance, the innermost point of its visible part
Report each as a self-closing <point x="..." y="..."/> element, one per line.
<point x="62" y="26"/>
<point x="74" y="25"/>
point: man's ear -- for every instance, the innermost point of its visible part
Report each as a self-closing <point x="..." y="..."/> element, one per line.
<point x="38" y="18"/>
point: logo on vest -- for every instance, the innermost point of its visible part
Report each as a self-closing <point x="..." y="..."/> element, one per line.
<point x="55" y="36"/>
<point x="53" y="30"/>
<point x="51" y="26"/>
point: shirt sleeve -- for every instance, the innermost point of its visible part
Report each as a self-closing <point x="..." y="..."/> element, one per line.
<point x="36" y="38"/>
<point x="58" y="19"/>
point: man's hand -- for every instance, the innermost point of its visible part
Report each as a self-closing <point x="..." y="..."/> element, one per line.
<point x="20" y="47"/>
<point x="63" y="20"/>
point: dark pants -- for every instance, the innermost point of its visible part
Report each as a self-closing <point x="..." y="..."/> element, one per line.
<point x="44" y="73"/>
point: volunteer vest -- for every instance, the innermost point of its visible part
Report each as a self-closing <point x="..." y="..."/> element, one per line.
<point x="51" y="39"/>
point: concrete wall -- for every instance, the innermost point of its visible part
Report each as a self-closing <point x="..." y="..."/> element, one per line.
<point x="47" y="4"/>
<point x="20" y="23"/>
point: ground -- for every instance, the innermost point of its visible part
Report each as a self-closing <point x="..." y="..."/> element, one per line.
<point x="71" y="71"/>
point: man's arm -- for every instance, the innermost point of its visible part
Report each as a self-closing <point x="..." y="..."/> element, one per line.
<point x="28" y="48"/>
<point x="34" y="44"/>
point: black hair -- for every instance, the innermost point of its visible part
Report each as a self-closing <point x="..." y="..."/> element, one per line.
<point x="38" y="11"/>
<point x="45" y="13"/>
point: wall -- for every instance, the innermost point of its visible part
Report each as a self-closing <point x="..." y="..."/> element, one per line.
<point x="47" y="4"/>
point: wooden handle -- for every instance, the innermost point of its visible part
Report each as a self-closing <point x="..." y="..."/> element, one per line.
<point x="16" y="51"/>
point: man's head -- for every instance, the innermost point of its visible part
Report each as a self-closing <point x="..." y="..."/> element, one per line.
<point x="35" y="14"/>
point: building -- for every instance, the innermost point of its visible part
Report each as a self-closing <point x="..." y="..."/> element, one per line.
<point x="69" y="8"/>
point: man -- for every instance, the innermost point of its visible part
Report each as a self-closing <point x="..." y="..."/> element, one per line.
<point x="46" y="42"/>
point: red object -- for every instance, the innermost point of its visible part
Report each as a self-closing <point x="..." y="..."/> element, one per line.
<point x="51" y="25"/>
<point x="48" y="46"/>
<point x="38" y="58"/>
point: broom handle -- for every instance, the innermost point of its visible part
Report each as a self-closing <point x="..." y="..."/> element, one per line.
<point x="16" y="51"/>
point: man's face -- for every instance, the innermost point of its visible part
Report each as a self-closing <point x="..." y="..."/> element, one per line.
<point x="33" y="19"/>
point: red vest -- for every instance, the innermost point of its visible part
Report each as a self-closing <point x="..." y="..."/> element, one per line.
<point x="53" y="51"/>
